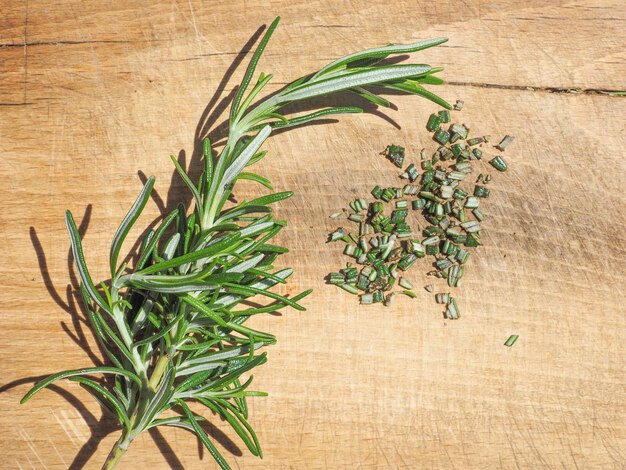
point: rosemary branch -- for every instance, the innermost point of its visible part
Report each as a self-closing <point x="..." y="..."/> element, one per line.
<point x="173" y="324"/>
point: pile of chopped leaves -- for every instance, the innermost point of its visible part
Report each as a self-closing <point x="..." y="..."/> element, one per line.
<point x="385" y="245"/>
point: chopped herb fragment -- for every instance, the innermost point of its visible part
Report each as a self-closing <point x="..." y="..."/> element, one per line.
<point x="498" y="163"/>
<point x="434" y="121"/>
<point x="505" y="142"/>
<point x="481" y="191"/>
<point x="395" y="153"/>
<point x="442" y="137"/>
<point x="444" y="115"/>
<point x="511" y="340"/>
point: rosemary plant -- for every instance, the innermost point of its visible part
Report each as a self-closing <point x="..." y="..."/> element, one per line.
<point x="173" y="324"/>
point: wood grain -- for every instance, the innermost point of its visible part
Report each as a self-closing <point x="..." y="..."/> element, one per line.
<point x="91" y="93"/>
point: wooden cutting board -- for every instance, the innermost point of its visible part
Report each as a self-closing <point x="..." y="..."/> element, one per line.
<point x="91" y="93"/>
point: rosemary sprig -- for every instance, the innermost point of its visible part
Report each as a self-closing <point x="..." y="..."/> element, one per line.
<point x="173" y="324"/>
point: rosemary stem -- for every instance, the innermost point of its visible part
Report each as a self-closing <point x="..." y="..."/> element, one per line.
<point x="118" y="450"/>
<point x="159" y="368"/>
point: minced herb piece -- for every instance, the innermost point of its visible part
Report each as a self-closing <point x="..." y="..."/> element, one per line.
<point x="444" y="115"/>
<point x="442" y="136"/>
<point x="339" y="234"/>
<point x="434" y="121"/>
<point x="498" y="163"/>
<point x="474" y="141"/>
<point x="410" y="173"/>
<point x="395" y="153"/>
<point x="511" y="341"/>
<point x="505" y="142"/>
<point x="481" y="191"/>
<point x="452" y="310"/>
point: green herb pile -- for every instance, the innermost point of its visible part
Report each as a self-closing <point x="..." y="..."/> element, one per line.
<point x="172" y="318"/>
<point x="386" y="245"/>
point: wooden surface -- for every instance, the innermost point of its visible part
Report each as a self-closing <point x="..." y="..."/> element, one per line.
<point x="91" y="93"/>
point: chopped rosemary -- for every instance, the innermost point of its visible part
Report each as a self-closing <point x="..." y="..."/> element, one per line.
<point x="505" y="142"/>
<point x="498" y="163"/>
<point x="481" y="191"/>
<point x="452" y="309"/>
<point x="395" y="153"/>
<point x="442" y="136"/>
<point x="444" y="115"/>
<point x="441" y="196"/>
<point x="434" y="121"/>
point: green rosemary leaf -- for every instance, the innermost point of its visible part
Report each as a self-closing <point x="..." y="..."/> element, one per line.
<point x="192" y="381"/>
<point x="208" y="164"/>
<point x="244" y="157"/>
<point x="128" y="222"/>
<point x="161" y="333"/>
<point x="156" y="237"/>
<point x="369" y="96"/>
<point x="234" y="109"/>
<point x="79" y="260"/>
<point x="354" y="79"/>
<point x="102" y="339"/>
<point x="203" y="436"/>
<point x="211" y="361"/>
<point x="71" y="373"/>
<point x="413" y="87"/>
<point x="244" y="175"/>
<point x="176" y="421"/>
<point x="267" y="275"/>
<point x="223" y="245"/>
<point x="104" y="327"/>
<point x="272" y="307"/>
<point x="247" y="264"/>
<point x="235" y="373"/>
<point x="195" y="303"/>
<point x="251" y="291"/>
<point x="258" y="156"/>
<point x="160" y="400"/>
<point x="100" y="391"/>
<point x="189" y="183"/>
<point x="245" y="432"/>
<point x="297" y="121"/>
<point x="379" y="53"/>
<point x="269" y="199"/>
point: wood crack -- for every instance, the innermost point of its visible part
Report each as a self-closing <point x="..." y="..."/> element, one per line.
<point x="15" y="104"/>
<point x="70" y="43"/>
<point x="544" y="89"/>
